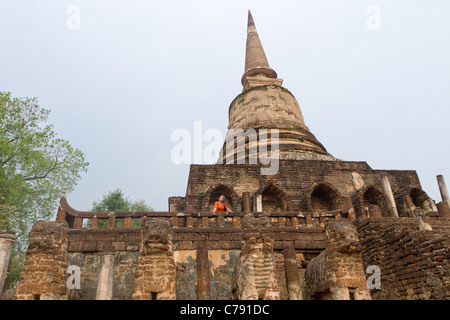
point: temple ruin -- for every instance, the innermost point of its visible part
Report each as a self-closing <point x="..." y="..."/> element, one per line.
<point x="314" y="229"/>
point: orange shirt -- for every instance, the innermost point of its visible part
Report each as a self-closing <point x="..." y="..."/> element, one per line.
<point x="220" y="207"/>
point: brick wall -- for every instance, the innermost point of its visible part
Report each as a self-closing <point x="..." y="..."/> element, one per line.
<point x="44" y="275"/>
<point x="222" y="245"/>
<point x="414" y="263"/>
<point x="294" y="179"/>
<point x="338" y="273"/>
<point x="84" y="249"/>
<point x="90" y="263"/>
<point x="97" y="240"/>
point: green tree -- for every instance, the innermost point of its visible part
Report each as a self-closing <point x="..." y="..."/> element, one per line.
<point x="116" y="201"/>
<point x="36" y="167"/>
<point x="7" y="212"/>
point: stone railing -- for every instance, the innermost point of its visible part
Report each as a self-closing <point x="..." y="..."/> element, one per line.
<point x="94" y="220"/>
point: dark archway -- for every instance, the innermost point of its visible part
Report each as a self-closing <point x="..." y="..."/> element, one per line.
<point x="421" y="199"/>
<point x="325" y="198"/>
<point x="274" y="199"/>
<point x="371" y="196"/>
<point x="213" y="194"/>
<point x="321" y="197"/>
<point x="375" y="196"/>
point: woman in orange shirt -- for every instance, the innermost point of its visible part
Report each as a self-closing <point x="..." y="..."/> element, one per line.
<point x="221" y="206"/>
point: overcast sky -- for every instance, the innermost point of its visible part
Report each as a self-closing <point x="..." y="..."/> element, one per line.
<point x="131" y="72"/>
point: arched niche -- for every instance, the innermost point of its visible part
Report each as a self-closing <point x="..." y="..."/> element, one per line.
<point x="321" y="197"/>
<point x="213" y="194"/>
<point x="324" y="197"/>
<point x="421" y="199"/>
<point x="274" y="199"/>
<point x="371" y="196"/>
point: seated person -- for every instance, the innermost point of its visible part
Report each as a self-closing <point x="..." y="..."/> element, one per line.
<point x="221" y="206"/>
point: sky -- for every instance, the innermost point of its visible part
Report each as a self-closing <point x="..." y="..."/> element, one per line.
<point x="372" y="79"/>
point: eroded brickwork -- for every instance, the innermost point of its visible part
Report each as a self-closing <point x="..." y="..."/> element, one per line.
<point x="255" y="276"/>
<point x="414" y="263"/>
<point x="44" y="274"/>
<point x="338" y="272"/>
<point x="155" y="273"/>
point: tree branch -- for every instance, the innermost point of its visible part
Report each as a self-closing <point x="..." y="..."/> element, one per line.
<point x="6" y="161"/>
<point x="36" y="177"/>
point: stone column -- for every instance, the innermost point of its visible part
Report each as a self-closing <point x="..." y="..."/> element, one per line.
<point x="247" y="202"/>
<point x="387" y="189"/>
<point x="6" y="243"/>
<point x="443" y="189"/>
<point x="257" y="206"/>
<point x="291" y="271"/>
<point x="203" y="282"/>
<point x="106" y="277"/>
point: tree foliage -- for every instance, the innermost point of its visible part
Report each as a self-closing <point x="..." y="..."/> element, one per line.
<point x="36" y="167"/>
<point x="116" y="201"/>
<point x="7" y="212"/>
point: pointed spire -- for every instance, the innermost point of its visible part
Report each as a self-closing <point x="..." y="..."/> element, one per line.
<point x="256" y="64"/>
